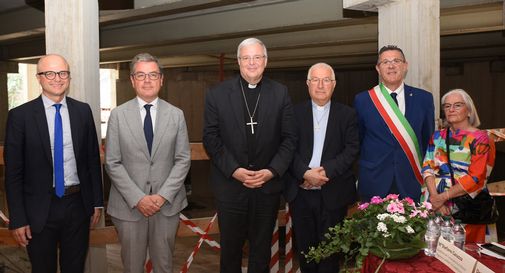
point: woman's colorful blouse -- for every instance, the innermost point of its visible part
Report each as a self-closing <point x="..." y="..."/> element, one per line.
<point x="472" y="158"/>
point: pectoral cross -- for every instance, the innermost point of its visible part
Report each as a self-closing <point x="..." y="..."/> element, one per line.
<point x="252" y="123"/>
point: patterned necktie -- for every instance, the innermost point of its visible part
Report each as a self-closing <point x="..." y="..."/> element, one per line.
<point x="148" y="127"/>
<point x="59" y="180"/>
<point x="393" y="95"/>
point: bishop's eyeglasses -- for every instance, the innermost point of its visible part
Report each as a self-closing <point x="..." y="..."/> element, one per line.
<point x="140" y="76"/>
<point x="255" y="58"/>
<point x="51" y="75"/>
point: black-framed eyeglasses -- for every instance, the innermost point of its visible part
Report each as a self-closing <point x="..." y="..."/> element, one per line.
<point x="51" y="75"/>
<point x="255" y="58"/>
<point x="456" y="106"/>
<point x="325" y="80"/>
<point x="393" y="62"/>
<point x="140" y="76"/>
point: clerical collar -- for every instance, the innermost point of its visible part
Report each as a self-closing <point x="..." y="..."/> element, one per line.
<point x="249" y="86"/>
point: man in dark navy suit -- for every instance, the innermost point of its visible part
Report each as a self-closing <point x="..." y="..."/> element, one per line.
<point x="396" y="122"/>
<point x="52" y="173"/>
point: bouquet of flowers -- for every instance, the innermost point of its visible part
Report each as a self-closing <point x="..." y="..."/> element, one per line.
<point x="389" y="228"/>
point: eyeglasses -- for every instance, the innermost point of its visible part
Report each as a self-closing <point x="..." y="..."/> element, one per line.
<point x="457" y="106"/>
<point x="318" y="80"/>
<point x="255" y="58"/>
<point x="51" y="75"/>
<point x="393" y="62"/>
<point x="140" y="76"/>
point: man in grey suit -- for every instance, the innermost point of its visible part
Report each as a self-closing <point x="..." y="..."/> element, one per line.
<point x="147" y="158"/>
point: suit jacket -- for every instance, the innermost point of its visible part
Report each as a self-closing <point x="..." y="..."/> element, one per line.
<point x="382" y="160"/>
<point x="340" y="150"/>
<point x="225" y="140"/>
<point x="29" y="162"/>
<point x="133" y="172"/>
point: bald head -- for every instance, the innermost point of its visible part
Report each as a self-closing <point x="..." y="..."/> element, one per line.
<point x="51" y="60"/>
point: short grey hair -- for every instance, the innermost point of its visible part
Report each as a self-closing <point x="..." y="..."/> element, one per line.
<point x="251" y="41"/>
<point x="144" y="57"/>
<point x="473" y="118"/>
<point x="321" y="65"/>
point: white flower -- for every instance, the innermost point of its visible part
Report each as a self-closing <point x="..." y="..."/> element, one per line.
<point x="382" y="227"/>
<point x="409" y="229"/>
<point x="382" y="217"/>
<point x="399" y="218"/>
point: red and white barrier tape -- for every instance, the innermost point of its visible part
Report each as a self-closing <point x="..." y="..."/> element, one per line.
<point x="274" y="260"/>
<point x="4" y="218"/>
<point x="197" y="230"/>
<point x="186" y="266"/>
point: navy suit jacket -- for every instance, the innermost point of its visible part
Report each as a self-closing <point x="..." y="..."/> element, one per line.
<point x="224" y="136"/>
<point x="29" y="162"/>
<point x="340" y="150"/>
<point x="382" y="160"/>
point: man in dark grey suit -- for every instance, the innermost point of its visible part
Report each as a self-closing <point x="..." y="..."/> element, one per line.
<point x="53" y="177"/>
<point x="147" y="157"/>
<point x="249" y="136"/>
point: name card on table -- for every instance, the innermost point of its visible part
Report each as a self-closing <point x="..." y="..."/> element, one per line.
<point x="455" y="258"/>
<point x="480" y="268"/>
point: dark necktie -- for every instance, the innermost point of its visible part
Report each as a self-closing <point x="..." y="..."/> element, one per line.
<point x="148" y="127"/>
<point x="393" y="95"/>
<point x="59" y="180"/>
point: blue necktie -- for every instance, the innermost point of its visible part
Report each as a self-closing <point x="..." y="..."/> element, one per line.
<point x="393" y="95"/>
<point x="148" y="127"/>
<point x="59" y="183"/>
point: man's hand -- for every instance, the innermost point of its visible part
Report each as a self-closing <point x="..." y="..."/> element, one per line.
<point x="158" y="200"/>
<point x="22" y="235"/>
<point x="315" y="177"/>
<point x="259" y="178"/>
<point x="95" y="217"/>
<point x="242" y="174"/>
<point x="147" y="206"/>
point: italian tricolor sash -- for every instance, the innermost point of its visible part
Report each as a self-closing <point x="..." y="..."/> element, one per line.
<point x="399" y="126"/>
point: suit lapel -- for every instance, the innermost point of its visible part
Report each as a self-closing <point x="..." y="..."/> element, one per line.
<point x="39" y="115"/>
<point x="307" y="130"/>
<point x="409" y="102"/>
<point x="162" y="120"/>
<point x="329" y="128"/>
<point x="264" y="106"/>
<point x="132" y="118"/>
<point x="236" y="101"/>
<point x="75" y="125"/>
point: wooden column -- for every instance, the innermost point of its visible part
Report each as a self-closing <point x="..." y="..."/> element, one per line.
<point x="72" y="31"/>
<point x="414" y="26"/>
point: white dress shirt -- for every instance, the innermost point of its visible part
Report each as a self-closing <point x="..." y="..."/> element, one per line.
<point x="153" y="111"/>
<point x="400" y="96"/>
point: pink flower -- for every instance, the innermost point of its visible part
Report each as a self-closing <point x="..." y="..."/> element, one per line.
<point x="427" y="205"/>
<point x="363" y="206"/>
<point x="392" y="196"/>
<point x="376" y="200"/>
<point x="394" y="207"/>
<point x="409" y="201"/>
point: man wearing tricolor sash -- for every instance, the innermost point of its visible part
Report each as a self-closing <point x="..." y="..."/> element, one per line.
<point x="396" y="122"/>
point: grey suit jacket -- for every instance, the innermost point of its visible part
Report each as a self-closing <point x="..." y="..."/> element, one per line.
<point x="133" y="172"/>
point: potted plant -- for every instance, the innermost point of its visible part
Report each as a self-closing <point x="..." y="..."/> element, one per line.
<point x="389" y="228"/>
